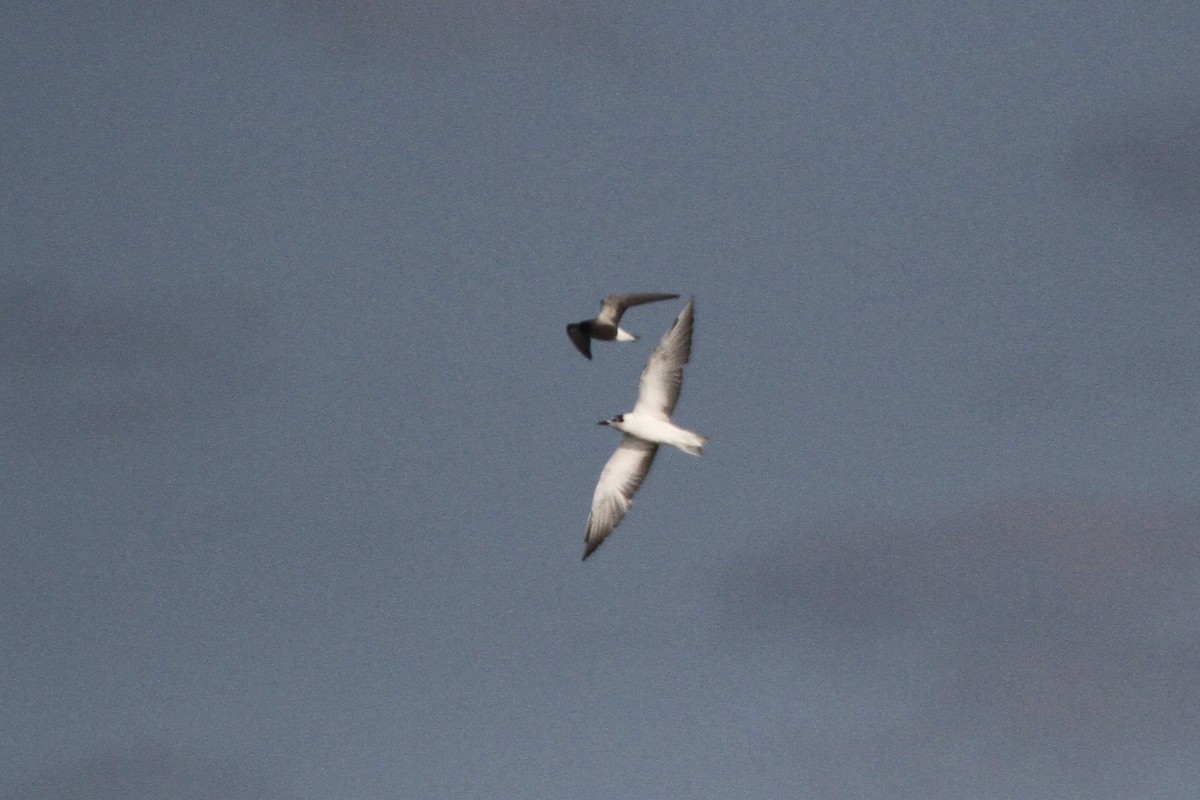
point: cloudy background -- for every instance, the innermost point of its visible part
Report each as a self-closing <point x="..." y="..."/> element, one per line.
<point x="295" y="457"/>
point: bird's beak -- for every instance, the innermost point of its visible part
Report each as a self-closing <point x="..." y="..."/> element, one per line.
<point x="602" y="422"/>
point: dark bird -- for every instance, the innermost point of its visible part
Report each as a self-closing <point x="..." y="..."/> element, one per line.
<point x="605" y="325"/>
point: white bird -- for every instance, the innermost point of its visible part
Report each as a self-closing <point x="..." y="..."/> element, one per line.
<point x="606" y="325"/>
<point x="645" y="428"/>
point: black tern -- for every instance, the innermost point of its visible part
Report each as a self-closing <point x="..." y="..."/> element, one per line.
<point x="605" y="325"/>
<point x="645" y="428"/>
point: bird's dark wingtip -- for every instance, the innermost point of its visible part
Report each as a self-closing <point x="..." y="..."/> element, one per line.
<point x="589" y="548"/>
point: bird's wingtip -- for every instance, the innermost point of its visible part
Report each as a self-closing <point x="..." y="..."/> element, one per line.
<point x="589" y="546"/>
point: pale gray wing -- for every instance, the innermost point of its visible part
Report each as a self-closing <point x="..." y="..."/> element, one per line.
<point x="619" y="481"/>
<point x="658" y="390"/>
<point x="613" y="306"/>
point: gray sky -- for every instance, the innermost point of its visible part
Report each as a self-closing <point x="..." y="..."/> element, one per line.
<point x="296" y="456"/>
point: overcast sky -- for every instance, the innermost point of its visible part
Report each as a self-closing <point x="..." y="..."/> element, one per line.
<point x="296" y="457"/>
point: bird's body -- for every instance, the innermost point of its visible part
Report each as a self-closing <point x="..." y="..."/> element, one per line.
<point x="646" y="427"/>
<point x="606" y="325"/>
<point x="650" y="428"/>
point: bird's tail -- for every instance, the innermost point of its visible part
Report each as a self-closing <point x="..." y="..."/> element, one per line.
<point x="625" y="336"/>
<point x="694" y="444"/>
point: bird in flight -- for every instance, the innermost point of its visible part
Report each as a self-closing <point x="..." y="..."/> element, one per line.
<point x="645" y="428"/>
<point x="605" y="325"/>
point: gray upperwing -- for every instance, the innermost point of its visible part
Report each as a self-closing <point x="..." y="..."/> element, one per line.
<point x="619" y="481"/>
<point x="613" y="306"/>
<point x="662" y="377"/>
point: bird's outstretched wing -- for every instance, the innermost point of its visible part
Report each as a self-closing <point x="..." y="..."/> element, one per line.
<point x="581" y="337"/>
<point x="662" y="379"/>
<point x="613" y="306"/>
<point x="619" y="481"/>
